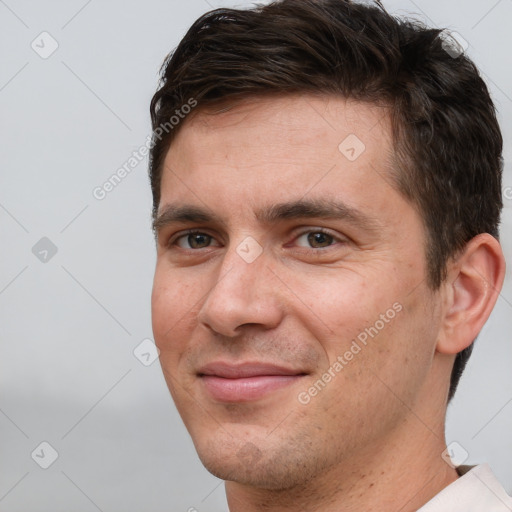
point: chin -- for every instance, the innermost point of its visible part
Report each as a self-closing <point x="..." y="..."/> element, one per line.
<point x="251" y="463"/>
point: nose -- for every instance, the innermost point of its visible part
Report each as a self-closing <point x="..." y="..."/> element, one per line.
<point x="244" y="293"/>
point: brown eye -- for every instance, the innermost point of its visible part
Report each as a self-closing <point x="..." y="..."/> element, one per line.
<point x="194" y="241"/>
<point x="319" y="239"/>
<point x="315" y="240"/>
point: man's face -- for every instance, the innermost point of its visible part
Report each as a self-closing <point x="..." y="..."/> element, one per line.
<point x="295" y="326"/>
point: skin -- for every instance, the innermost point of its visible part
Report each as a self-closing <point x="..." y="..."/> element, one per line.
<point x="373" y="436"/>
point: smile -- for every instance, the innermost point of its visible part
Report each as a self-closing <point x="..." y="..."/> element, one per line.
<point x="246" y="382"/>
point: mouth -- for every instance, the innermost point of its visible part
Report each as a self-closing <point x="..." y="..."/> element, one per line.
<point x="245" y="382"/>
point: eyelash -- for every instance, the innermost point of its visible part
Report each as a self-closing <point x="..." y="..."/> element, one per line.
<point x="173" y="241"/>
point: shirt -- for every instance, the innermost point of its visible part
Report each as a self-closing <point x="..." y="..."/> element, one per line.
<point x="477" y="490"/>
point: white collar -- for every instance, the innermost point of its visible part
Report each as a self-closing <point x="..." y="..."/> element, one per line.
<point x="477" y="491"/>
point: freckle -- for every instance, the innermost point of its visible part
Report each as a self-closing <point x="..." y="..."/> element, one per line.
<point x="372" y="484"/>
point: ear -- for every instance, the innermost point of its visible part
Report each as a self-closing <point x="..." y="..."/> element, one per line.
<point x="474" y="281"/>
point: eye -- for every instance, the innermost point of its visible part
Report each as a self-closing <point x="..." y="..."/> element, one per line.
<point x="193" y="240"/>
<point x="315" y="239"/>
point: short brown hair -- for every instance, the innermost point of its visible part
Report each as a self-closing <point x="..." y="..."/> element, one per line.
<point x="446" y="136"/>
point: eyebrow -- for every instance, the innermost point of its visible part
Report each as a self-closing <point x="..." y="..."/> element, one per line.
<point x="172" y="214"/>
<point x="300" y="209"/>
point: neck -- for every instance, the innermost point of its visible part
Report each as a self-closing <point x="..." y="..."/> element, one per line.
<point x="399" y="473"/>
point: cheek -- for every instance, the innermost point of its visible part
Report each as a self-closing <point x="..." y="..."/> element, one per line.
<point x="372" y="321"/>
<point x="399" y="356"/>
<point x="173" y="318"/>
<point x="341" y="304"/>
<point x="172" y="304"/>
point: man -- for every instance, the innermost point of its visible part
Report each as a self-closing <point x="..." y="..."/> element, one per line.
<point x="326" y="184"/>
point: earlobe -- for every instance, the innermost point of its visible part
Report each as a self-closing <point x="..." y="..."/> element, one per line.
<point x="474" y="281"/>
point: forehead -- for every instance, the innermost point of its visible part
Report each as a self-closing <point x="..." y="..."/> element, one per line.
<point x="297" y="119"/>
<point x="276" y="149"/>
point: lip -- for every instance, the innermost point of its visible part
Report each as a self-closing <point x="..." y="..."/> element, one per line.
<point x="247" y="381"/>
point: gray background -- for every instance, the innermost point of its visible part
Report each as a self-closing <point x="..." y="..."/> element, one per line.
<point x="69" y="325"/>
